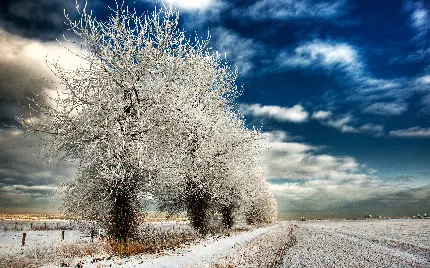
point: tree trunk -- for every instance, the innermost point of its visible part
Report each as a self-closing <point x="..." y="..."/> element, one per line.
<point x="227" y="216"/>
<point x="251" y="215"/>
<point x="198" y="208"/>
<point x="123" y="224"/>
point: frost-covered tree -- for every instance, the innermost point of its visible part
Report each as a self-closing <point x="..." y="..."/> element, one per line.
<point x="239" y="159"/>
<point x="150" y="112"/>
<point x="223" y="153"/>
<point x="261" y="206"/>
<point x="122" y="113"/>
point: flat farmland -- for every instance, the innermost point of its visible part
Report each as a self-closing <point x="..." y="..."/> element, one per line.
<point x="369" y="243"/>
<point x="364" y="243"/>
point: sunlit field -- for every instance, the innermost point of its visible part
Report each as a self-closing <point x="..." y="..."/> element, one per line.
<point x="365" y="243"/>
<point x="361" y="243"/>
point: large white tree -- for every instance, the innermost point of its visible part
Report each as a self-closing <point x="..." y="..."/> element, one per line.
<point x="119" y="113"/>
<point x="149" y="112"/>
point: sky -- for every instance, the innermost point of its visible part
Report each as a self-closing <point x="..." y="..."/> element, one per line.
<point x="341" y="88"/>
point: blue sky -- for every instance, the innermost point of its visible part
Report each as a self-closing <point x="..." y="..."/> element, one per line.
<point x="341" y="88"/>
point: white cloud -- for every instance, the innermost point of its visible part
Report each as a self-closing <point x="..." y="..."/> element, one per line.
<point x="424" y="80"/>
<point x="191" y="4"/>
<point x="425" y="100"/>
<point x="30" y="189"/>
<point x="420" y="20"/>
<point x="330" y="54"/>
<point x="372" y="128"/>
<point x="343" y="123"/>
<point x="31" y="53"/>
<point x="293" y="9"/>
<point x="386" y="108"/>
<point x="322" y="54"/>
<point x="365" y="87"/>
<point x="296" y="114"/>
<point x="321" y="115"/>
<point x="275" y="136"/>
<point x="286" y="159"/>
<point x="373" y="93"/>
<point x="380" y="84"/>
<point x="297" y="172"/>
<point x="413" y="132"/>
<point x="26" y="62"/>
<point x="416" y="56"/>
<point x="199" y="12"/>
<point x="239" y="50"/>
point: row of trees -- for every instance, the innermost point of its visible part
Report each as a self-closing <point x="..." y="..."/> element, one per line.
<point x="151" y="114"/>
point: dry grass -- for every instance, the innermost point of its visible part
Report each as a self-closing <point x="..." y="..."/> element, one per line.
<point x="145" y="247"/>
<point x="154" y="239"/>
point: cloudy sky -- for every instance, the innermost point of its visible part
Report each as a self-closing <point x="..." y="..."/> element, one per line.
<point x="341" y="88"/>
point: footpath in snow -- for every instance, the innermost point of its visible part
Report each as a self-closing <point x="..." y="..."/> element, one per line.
<point x="200" y="255"/>
<point x="197" y="255"/>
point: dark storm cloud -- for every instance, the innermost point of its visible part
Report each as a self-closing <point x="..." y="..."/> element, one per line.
<point x="408" y="202"/>
<point x="425" y="173"/>
<point x="23" y="72"/>
<point x="19" y="80"/>
<point x="398" y="203"/>
<point x="402" y="178"/>
<point x="42" y="19"/>
<point x="25" y="181"/>
<point x="25" y="177"/>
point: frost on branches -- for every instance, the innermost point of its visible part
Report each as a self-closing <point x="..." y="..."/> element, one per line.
<point x="261" y="207"/>
<point x="150" y="113"/>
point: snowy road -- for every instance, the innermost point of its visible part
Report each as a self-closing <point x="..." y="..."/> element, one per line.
<point x="200" y="255"/>
<point x="197" y="255"/>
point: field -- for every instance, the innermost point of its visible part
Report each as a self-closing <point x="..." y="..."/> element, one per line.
<point x="380" y="243"/>
<point x="365" y="243"/>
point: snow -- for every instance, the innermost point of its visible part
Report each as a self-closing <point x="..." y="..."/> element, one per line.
<point x="197" y="255"/>
<point x="385" y="243"/>
<point x="375" y="243"/>
<point x="10" y="241"/>
<point x="266" y="250"/>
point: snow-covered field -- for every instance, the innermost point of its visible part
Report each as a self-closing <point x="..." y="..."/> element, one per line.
<point x="370" y="243"/>
<point x="10" y="242"/>
<point x="380" y="243"/>
<point x="38" y="234"/>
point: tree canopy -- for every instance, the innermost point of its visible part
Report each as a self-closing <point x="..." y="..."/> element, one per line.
<point x="150" y="112"/>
